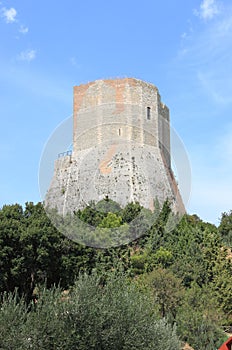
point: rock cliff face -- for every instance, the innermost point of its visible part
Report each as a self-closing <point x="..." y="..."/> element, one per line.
<point x="121" y="148"/>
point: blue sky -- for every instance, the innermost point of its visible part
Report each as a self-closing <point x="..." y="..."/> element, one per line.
<point x="182" y="47"/>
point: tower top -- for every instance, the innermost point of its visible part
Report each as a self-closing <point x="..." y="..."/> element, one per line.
<point x="123" y="107"/>
<point x="119" y="81"/>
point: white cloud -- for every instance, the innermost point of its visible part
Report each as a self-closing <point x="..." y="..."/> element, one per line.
<point x="205" y="54"/>
<point x="202" y="67"/>
<point x="208" y="9"/>
<point x="27" y="55"/>
<point x="23" y="29"/>
<point x="9" y="14"/>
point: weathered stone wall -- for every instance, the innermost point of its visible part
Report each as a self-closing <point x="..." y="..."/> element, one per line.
<point x="164" y="132"/>
<point x="105" y="106"/>
<point x="121" y="148"/>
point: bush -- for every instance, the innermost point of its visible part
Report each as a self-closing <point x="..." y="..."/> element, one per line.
<point x="114" y="316"/>
<point x="13" y="316"/>
<point x="198" y="319"/>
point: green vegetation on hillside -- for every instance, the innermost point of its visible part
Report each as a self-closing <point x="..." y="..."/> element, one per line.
<point x="116" y="316"/>
<point x="175" y="279"/>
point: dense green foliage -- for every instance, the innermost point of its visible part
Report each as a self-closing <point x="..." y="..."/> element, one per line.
<point x="225" y="228"/>
<point x="116" y="316"/>
<point x="181" y="269"/>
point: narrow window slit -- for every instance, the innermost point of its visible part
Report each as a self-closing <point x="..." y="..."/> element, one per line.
<point x="148" y="113"/>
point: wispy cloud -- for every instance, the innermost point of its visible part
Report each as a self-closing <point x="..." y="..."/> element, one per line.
<point x="203" y="69"/>
<point x="27" y="55"/>
<point x="208" y="9"/>
<point x="23" y="29"/>
<point x="206" y="54"/>
<point x="9" y="14"/>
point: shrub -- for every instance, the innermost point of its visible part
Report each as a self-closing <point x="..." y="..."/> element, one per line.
<point x="114" y="316"/>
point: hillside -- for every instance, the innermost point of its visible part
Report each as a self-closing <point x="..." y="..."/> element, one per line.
<point x="180" y="268"/>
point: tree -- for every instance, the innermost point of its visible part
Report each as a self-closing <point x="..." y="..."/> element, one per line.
<point x="92" y="316"/>
<point x="111" y="221"/>
<point x="32" y="251"/>
<point x="222" y="283"/>
<point x="11" y="227"/>
<point x="130" y="212"/>
<point x="225" y="228"/>
<point x="198" y="319"/>
<point x="167" y="289"/>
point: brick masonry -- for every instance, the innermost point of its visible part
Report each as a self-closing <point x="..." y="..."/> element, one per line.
<point x="121" y="148"/>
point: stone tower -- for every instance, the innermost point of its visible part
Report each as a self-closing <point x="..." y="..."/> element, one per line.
<point x="121" y="148"/>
